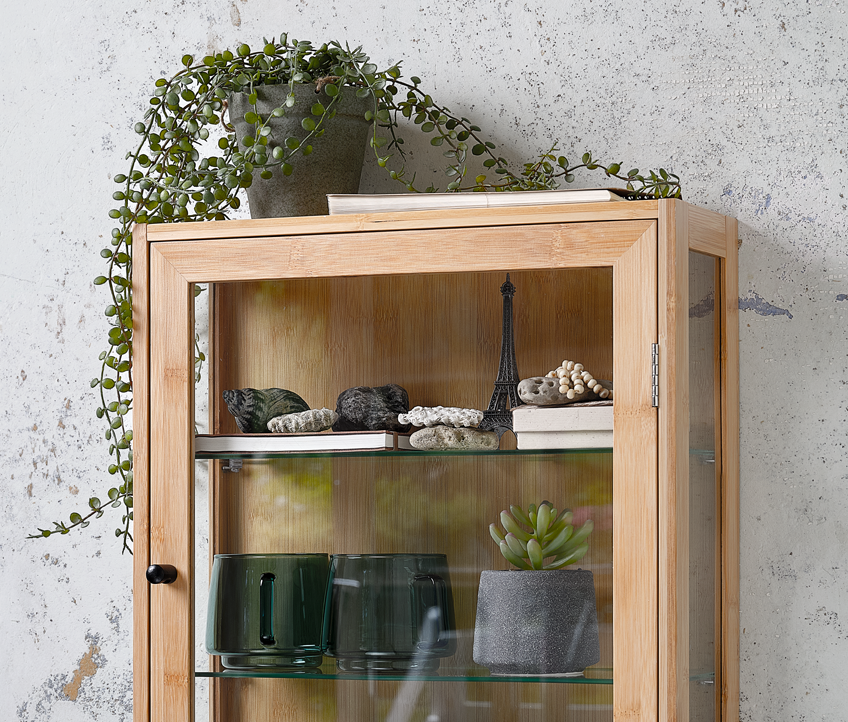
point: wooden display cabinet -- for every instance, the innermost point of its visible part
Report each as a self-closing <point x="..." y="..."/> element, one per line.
<point x="321" y="304"/>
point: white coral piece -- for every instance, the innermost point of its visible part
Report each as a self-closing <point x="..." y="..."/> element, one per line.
<point x="312" y="420"/>
<point x="442" y="416"/>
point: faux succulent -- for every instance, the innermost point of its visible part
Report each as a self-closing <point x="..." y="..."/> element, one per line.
<point x="551" y="537"/>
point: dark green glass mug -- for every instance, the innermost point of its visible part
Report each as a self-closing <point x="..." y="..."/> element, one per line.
<point x="266" y="610"/>
<point x="389" y="612"/>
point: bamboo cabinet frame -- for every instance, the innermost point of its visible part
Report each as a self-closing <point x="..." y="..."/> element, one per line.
<point x="647" y="245"/>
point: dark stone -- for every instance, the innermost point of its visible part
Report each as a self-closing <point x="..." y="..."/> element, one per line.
<point x="254" y="408"/>
<point x="364" y="408"/>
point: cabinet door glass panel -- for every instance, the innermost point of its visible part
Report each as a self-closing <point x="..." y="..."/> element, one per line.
<point x="439" y="337"/>
<point x="704" y="466"/>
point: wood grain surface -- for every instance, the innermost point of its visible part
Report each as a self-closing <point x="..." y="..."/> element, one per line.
<point x="171" y="490"/>
<point x="141" y="475"/>
<point x="451" y="218"/>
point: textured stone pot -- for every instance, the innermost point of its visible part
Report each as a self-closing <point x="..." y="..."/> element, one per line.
<point x="335" y="164"/>
<point x="536" y="622"/>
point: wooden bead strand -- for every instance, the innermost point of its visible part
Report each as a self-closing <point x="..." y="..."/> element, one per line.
<point x="574" y="380"/>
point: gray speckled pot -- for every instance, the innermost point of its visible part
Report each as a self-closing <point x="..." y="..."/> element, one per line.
<point x="335" y="164"/>
<point x="536" y="622"/>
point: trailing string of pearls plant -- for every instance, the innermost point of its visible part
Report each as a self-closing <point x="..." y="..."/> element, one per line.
<point x="177" y="172"/>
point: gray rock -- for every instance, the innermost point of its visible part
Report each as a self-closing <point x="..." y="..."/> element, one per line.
<point x="365" y="408"/>
<point x="536" y="622"/>
<point x="442" y="438"/>
<point x="544" y="391"/>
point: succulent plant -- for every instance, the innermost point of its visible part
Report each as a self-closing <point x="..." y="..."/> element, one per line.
<point x="552" y="536"/>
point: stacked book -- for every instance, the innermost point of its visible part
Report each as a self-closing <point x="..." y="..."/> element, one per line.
<point x="563" y="427"/>
<point x="300" y="443"/>
<point x="399" y="202"/>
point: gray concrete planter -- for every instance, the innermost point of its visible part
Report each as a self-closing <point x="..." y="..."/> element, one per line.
<point x="335" y="164"/>
<point x="536" y="622"/>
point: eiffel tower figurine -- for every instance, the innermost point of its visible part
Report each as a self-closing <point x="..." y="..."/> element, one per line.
<point x="497" y="417"/>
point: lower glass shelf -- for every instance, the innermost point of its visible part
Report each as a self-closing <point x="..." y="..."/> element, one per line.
<point x="444" y="674"/>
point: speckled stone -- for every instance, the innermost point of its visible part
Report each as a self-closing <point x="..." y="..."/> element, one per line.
<point x="365" y="408"/>
<point x="442" y="438"/>
<point x="536" y="622"/>
<point x="544" y="391"/>
<point x="313" y="420"/>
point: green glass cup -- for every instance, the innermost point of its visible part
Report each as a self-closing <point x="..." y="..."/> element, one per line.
<point x="389" y="612"/>
<point x="266" y="610"/>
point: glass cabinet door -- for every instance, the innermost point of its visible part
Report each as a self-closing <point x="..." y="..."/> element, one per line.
<point x="704" y="487"/>
<point x="421" y="517"/>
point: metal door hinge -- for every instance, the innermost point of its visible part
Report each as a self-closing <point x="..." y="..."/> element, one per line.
<point x="655" y="374"/>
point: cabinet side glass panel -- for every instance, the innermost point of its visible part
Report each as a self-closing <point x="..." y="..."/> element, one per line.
<point x="439" y="337"/>
<point x="704" y="467"/>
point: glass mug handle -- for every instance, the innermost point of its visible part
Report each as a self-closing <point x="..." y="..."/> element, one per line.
<point x="266" y="610"/>
<point x="429" y="594"/>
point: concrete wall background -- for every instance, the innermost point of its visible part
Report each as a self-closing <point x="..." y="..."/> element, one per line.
<point x="745" y="101"/>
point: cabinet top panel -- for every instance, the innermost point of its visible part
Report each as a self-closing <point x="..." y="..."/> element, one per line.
<point x="450" y="218"/>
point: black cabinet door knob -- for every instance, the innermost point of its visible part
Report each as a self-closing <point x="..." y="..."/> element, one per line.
<point x="161" y="574"/>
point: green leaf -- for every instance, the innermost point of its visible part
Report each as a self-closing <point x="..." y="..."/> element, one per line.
<point x="308" y="124"/>
<point x="478" y="149"/>
<point x="317" y="109"/>
<point x="513" y="558"/>
<point x="332" y="91"/>
<point x="534" y="552"/>
<point x="287" y="169"/>
<point x="496" y="533"/>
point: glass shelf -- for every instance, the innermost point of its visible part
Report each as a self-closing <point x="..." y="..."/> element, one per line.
<point x="403" y="454"/>
<point x="445" y="674"/>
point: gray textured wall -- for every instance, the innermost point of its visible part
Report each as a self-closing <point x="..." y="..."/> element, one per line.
<point x="746" y="101"/>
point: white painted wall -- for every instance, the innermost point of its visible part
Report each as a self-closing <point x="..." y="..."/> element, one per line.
<point x="746" y="101"/>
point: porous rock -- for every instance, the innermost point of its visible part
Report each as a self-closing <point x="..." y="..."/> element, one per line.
<point x="305" y="421"/>
<point x="544" y="391"/>
<point x="442" y="438"/>
<point x="366" y="408"/>
<point x="442" y="416"/>
<point x="254" y="408"/>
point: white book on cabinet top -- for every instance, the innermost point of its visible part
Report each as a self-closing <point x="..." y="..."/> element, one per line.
<point x="548" y="419"/>
<point x="340" y="203"/>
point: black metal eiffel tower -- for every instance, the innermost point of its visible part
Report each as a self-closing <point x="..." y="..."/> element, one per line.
<point x="497" y="417"/>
